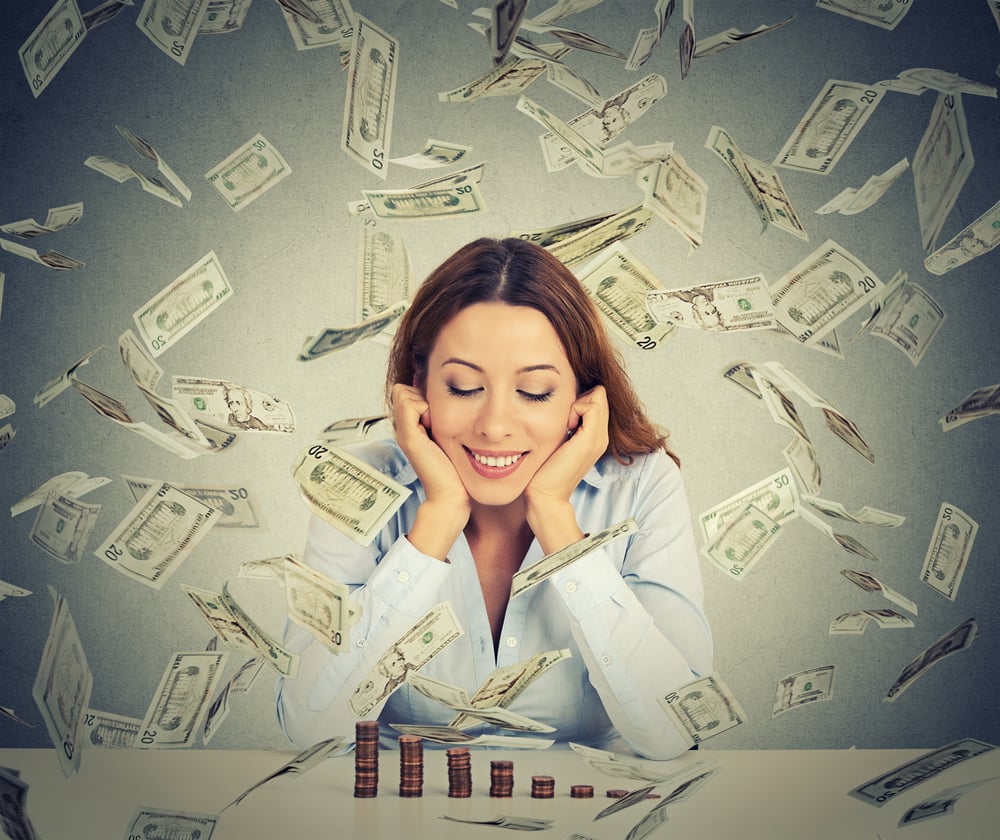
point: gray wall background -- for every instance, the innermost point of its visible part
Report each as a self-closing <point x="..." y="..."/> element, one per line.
<point x="291" y="257"/>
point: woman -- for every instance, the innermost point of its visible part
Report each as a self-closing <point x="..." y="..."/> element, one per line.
<point x="518" y="431"/>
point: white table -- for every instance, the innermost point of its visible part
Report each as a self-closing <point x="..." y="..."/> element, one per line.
<point x="773" y="794"/>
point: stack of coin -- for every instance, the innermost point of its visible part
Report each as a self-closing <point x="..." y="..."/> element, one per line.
<point x="543" y="787"/>
<point x="501" y="778"/>
<point x="411" y="766"/>
<point x="581" y="791"/>
<point x="459" y="772"/>
<point x="366" y="759"/>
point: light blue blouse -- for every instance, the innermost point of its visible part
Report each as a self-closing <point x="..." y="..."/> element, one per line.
<point x="630" y="612"/>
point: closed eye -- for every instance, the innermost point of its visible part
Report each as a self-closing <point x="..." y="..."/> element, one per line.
<point x="462" y="392"/>
<point x="531" y="397"/>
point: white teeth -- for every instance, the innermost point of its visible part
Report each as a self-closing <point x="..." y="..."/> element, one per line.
<point x="491" y="461"/>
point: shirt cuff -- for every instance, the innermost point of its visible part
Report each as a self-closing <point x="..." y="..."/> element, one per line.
<point x="588" y="583"/>
<point x="404" y="575"/>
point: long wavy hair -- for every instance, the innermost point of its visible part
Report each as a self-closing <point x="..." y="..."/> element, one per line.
<point x="520" y="273"/>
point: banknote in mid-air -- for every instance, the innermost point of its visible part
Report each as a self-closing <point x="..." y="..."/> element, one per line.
<point x="180" y="703"/>
<point x="172" y="25"/>
<point x="249" y="172"/>
<point x="949" y="549"/>
<point x="49" y="47"/>
<point x="703" y="708"/>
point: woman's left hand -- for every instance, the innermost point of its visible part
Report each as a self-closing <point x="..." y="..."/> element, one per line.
<point x="547" y="494"/>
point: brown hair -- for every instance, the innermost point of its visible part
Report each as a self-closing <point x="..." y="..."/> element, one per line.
<point x="519" y="273"/>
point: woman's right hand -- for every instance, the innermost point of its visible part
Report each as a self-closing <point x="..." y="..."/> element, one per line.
<point x="444" y="514"/>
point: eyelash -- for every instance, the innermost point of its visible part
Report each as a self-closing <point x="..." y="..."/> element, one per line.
<point x="530" y="397"/>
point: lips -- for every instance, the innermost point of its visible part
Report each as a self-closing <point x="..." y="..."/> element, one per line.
<point x="494" y="464"/>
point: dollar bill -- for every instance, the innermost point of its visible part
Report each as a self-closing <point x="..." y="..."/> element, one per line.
<point x="657" y="815"/>
<point x="337" y="338"/>
<point x="944" y="82"/>
<point x="592" y="239"/>
<point x="565" y="78"/>
<point x="269" y="568"/>
<point x="703" y="708"/>
<point x="302" y="763"/>
<point x="977" y="238"/>
<point x="159" y="822"/>
<point x="49" y="47"/>
<point x="177" y="309"/>
<point x="884" y="15"/>
<point x="7" y="433"/>
<point x="776" y="495"/>
<point x="50" y="259"/>
<point x="450" y="735"/>
<point x="900" y="779"/>
<point x="434" y="154"/>
<point x="730" y="37"/>
<point x="948" y="553"/>
<point x="677" y="194"/>
<point x="870" y="583"/>
<point x="145" y="372"/>
<point x="320" y="23"/>
<point x="351" y="428"/>
<point x="724" y="306"/>
<point x="618" y="282"/>
<point x="957" y="639"/>
<point x="63" y="685"/>
<point x="761" y="182"/>
<point x="572" y="38"/>
<point x="180" y="703"/>
<point x="223" y="16"/>
<point x="850" y="201"/>
<point x="145" y="150"/>
<point x="822" y="291"/>
<point x="72" y="484"/>
<point x="549" y="236"/>
<point x="587" y="152"/>
<point x="7" y="406"/>
<point x="109" y="731"/>
<point x="57" y="218"/>
<point x="238" y="631"/>
<point x="346" y="492"/>
<point x="434" y="631"/>
<point x="122" y="172"/>
<point x="909" y="319"/>
<point x="847" y="430"/>
<point x="853" y="623"/>
<point x="218" y="711"/>
<point x="980" y="403"/>
<point x="550" y="564"/>
<point x="832" y="122"/>
<point x="157" y="535"/>
<point x="456" y="698"/>
<point x="172" y="25"/>
<point x="508" y="79"/>
<point x="503" y="821"/>
<point x="863" y="516"/>
<point x="320" y="604"/>
<point x="385" y="274"/>
<point x="63" y="526"/>
<point x="103" y="12"/>
<point x="234" y="504"/>
<point x="633" y="797"/>
<point x="455" y="179"/>
<point x="232" y="406"/>
<point x="648" y="37"/>
<point x="779" y="405"/>
<point x="14" y="819"/>
<point x="941" y="166"/>
<point x="802" y="688"/>
<point x="505" y="18"/>
<point x="427" y="203"/>
<point x="249" y="172"/>
<point x="940" y="804"/>
<point x="742" y="541"/>
<point x="371" y="93"/>
<point x="8" y="590"/>
<point x="801" y="457"/>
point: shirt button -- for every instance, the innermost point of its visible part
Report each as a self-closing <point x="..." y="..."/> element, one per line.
<point x="403" y="577"/>
<point x="571" y="587"/>
<point x="605" y="660"/>
<point x="361" y="642"/>
<point x="511" y="642"/>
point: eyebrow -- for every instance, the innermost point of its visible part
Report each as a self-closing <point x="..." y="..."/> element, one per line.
<point x="528" y="369"/>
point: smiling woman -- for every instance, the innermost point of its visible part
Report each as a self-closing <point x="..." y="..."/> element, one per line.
<point x="518" y="430"/>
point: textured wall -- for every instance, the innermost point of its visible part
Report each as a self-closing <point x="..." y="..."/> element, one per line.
<point x="291" y="257"/>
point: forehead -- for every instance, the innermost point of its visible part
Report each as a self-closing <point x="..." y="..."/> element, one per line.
<point x="520" y="335"/>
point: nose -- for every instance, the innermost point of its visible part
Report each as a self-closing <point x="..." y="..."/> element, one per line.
<point x="494" y="419"/>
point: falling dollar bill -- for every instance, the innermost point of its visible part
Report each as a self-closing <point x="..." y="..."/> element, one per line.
<point x="371" y="93"/>
<point x="940" y="804"/>
<point x="678" y="195"/>
<point x="346" y="492"/>
<point x="456" y="698"/>
<point x="172" y="25"/>
<point x="249" y="172"/>
<point x="957" y="639"/>
<point x="229" y="405"/>
<point x="830" y="125"/>
<point x="949" y="550"/>
<point x="431" y="203"/>
<point x="775" y="495"/>
<point x="505" y="18"/>
<point x="337" y="338"/>
<point x="657" y="815"/>
<point x="234" y="504"/>
<point x="157" y="535"/>
<point x="555" y="562"/>
<point x="977" y="238"/>
<point x="63" y="526"/>
<point x="980" y="403"/>
<point x="109" y="731"/>
<point x="941" y="166"/>
<point x="122" y="172"/>
<point x="591" y="239"/>
<point x="320" y="23"/>
<point x="175" y="311"/>
<point x="760" y="181"/>
<point x="853" y="623"/>
<point x="900" y="779"/>
<point x="864" y="516"/>
<point x="851" y="201"/>
<point x="147" y="151"/>
<point x="435" y="153"/>
<point x="730" y="37"/>
<point x="803" y="688"/>
<point x="434" y="631"/>
<point x="49" y="47"/>
<point x="742" y="541"/>
<point x="57" y="218"/>
<point x="884" y="15"/>
<point x="303" y="762"/>
<point x="508" y="79"/>
<point x="703" y="708"/>
<point x="63" y="685"/>
<point x="159" y="822"/>
<point x="385" y="274"/>
<point x="870" y="583"/>
<point x="320" y="604"/>
<point x="180" y="703"/>
<point x="14" y="819"/>
<point x="723" y="306"/>
<point x="618" y="282"/>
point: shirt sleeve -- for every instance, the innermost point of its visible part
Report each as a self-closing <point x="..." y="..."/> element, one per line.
<point x="394" y="585"/>
<point x="637" y="615"/>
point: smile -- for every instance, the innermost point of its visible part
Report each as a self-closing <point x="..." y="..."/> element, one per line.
<point x="494" y="466"/>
